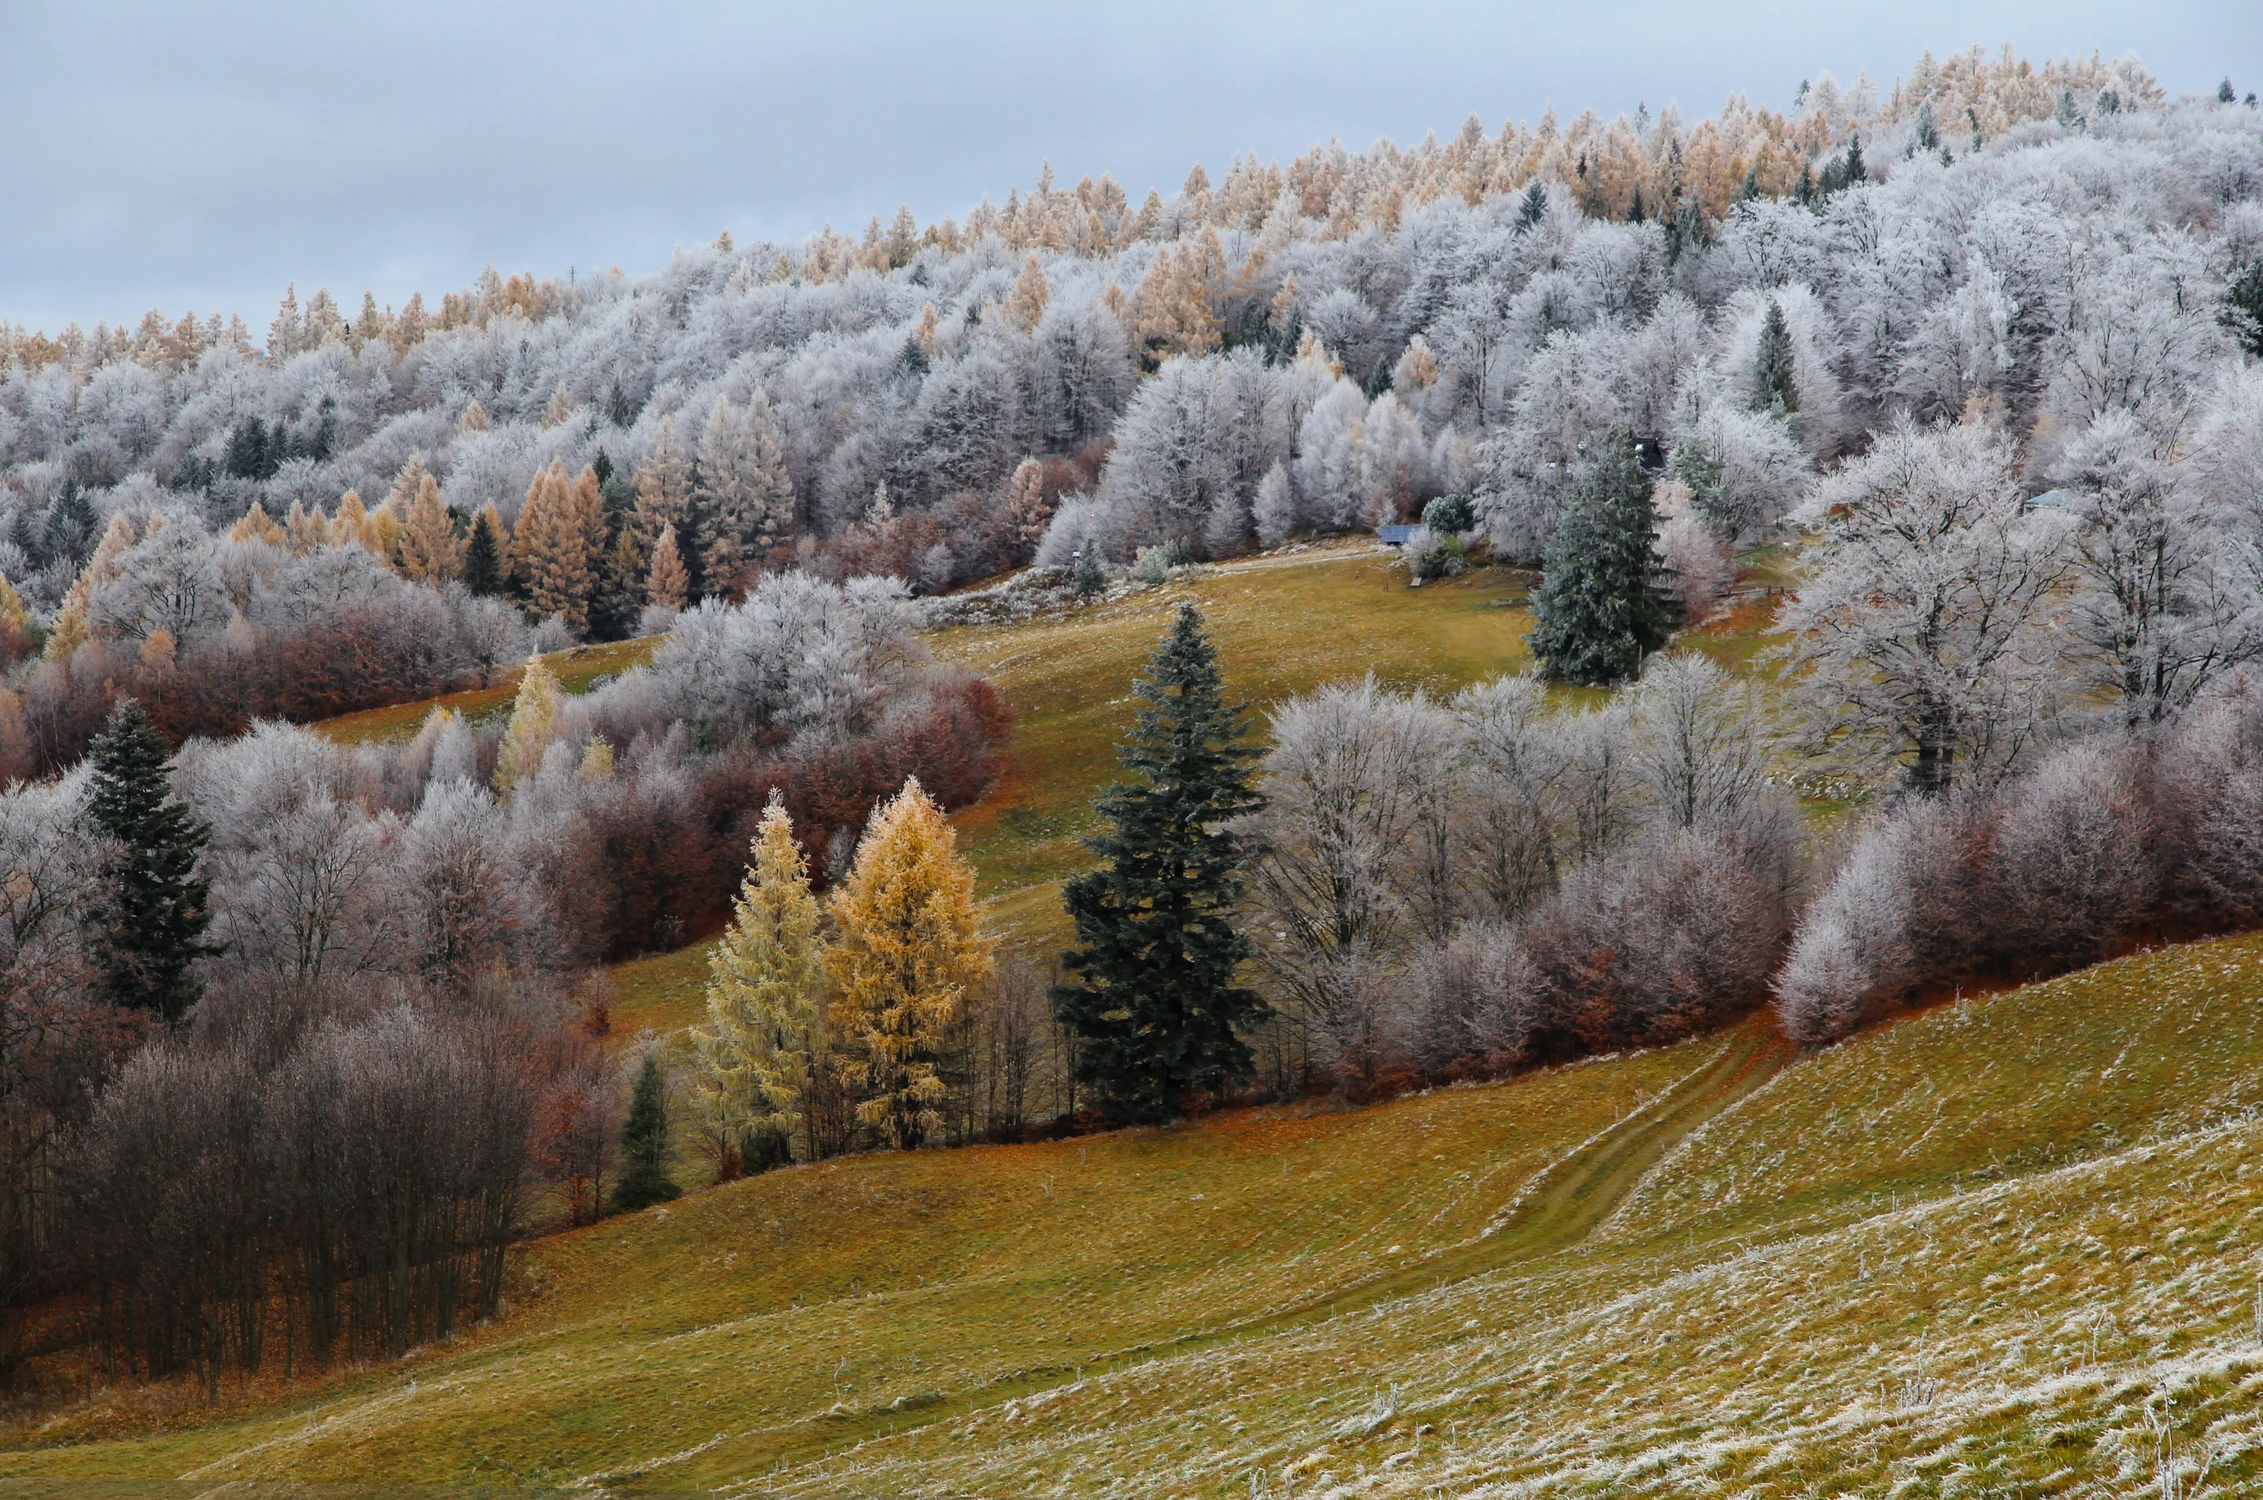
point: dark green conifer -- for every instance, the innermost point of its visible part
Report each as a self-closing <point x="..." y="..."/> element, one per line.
<point x="156" y="908"/>
<point x="483" y="558"/>
<point x="1772" y="387"/>
<point x="644" y="1145"/>
<point x="1598" y="610"/>
<point x="2243" y="306"/>
<point x="1087" y="577"/>
<point x="1534" y="206"/>
<point x="1157" y="1011"/>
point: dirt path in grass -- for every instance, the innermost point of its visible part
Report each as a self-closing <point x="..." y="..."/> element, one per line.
<point x="1554" y="1213"/>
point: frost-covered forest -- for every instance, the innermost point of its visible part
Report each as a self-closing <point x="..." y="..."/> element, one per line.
<point x="1283" y="349"/>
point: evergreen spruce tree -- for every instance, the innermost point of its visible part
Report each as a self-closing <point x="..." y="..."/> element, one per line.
<point x="644" y="1145"/>
<point x="1087" y="578"/>
<point x="1772" y="388"/>
<point x="1598" y="610"/>
<point x="1157" y="1010"/>
<point x="156" y="909"/>
<point x="483" y="555"/>
<point x="2244" y="306"/>
<point x="1533" y="208"/>
<point x="613" y="613"/>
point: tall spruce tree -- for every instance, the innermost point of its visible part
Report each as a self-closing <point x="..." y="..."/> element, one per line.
<point x="1599" y="609"/>
<point x="644" y="1145"/>
<point x="483" y="555"/>
<point x="156" y="909"/>
<point x="1772" y="387"/>
<point x="1157" y="1011"/>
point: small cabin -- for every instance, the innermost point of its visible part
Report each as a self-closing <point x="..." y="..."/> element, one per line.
<point x="1395" y="536"/>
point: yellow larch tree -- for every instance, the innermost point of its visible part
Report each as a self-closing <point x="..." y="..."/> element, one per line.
<point x="550" y="548"/>
<point x="585" y="520"/>
<point x="663" y="489"/>
<point x="766" y="980"/>
<point x="666" y="583"/>
<point x="908" y="953"/>
<point x="71" y="630"/>
<point x="1175" y="314"/>
<point x="256" y="525"/>
<point x="534" y="723"/>
<point x="304" y="530"/>
<point x="1026" y="303"/>
<point x="1028" y="512"/>
<point x="429" y="551"/>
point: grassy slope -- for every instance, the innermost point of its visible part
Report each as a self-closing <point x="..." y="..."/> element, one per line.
<point x="792" y="1311"/>
<point x="1913" y="1264"/>
<point x="577" y="670"/>
<point x="2009" y="1247"/>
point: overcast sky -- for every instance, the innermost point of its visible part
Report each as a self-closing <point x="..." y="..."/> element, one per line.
<point x="178" y="154"/>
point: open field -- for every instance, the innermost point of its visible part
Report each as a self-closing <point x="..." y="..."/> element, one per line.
<point x="578" y="670"/>
<point x="808" y="1310"/>
<point x="1284" y="624"/>
<point x="2009" y="1247"/>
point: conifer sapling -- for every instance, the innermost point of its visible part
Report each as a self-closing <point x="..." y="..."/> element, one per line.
<point x="644" y="1144"/>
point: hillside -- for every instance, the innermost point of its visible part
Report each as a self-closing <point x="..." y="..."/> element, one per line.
<point x="1796" y="1282"/>
<point x="2006" y="1242"/>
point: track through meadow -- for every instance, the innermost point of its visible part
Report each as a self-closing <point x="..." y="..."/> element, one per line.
<point x="1550" y="1216"/>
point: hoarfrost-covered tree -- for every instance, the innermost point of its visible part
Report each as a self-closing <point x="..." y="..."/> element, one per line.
<point x="1353" y="853"/>
<point x="2166" y="583"/>
<point x="745" y="496"/>
<point x="1920" y="628"/>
